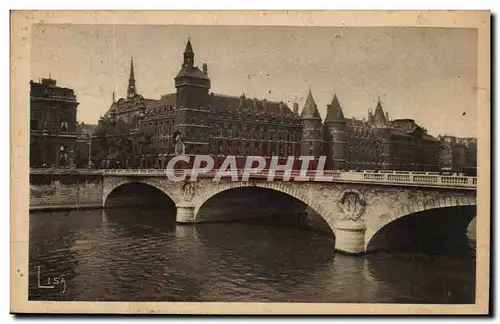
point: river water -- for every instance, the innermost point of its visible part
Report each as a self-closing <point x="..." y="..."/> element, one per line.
<point x="141" y="255"/>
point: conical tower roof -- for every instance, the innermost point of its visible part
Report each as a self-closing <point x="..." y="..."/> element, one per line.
<point x="334" y="112"/>
<point x="310" y="110"/>
<point x="189" y="48"/>
<point x="379" y="116"/>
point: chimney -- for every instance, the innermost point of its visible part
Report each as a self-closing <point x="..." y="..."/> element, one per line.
<point x="295" y="108"/>
<point x="282" y="107"/>
<point x="254" y="104"/>
<point x="242" y="100"/>
<point x="264" y="105"/>
<point x="387" y="116"/>
<point x="114" y="100"/>
<point x="205" y="69"/>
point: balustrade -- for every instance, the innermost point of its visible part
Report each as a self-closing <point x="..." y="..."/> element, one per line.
<point x="454" y="180"/>
<point x="425" y="179"/>
<point x="342" y="176"/>
<point x="373" y="176"/>
<point x="399" y="177"/>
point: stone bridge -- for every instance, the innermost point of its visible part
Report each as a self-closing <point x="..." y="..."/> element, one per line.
<point x="358" y="207"/>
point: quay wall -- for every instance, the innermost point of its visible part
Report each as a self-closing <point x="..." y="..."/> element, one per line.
<point x="51" y="192"/>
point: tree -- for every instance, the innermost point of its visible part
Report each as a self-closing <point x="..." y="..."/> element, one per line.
<point x="377" y="152"/>
<point x="144" y="142"/>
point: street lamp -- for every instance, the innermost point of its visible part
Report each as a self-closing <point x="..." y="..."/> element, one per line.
<point x="90" y="151"/>
<point x="142" y="114"/>
<point x="62" y="160"/>
<point x="44" y="149"/>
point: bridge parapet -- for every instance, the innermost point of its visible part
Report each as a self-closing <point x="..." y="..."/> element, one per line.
<point x="393" y="178"/>
<point x="386" y="178"/>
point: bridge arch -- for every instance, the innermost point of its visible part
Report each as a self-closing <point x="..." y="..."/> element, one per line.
<point x="112" y="187"/>
<point x="435" y="204"/>
<point x="285" y="188"/>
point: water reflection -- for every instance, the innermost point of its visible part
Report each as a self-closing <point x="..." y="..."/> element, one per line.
<point x="256" y="261"/>
<point x="141" y="255"/>
<point x="422" y="278"/>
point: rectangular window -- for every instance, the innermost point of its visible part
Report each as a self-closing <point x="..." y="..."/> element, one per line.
<point x="34" y="124"/>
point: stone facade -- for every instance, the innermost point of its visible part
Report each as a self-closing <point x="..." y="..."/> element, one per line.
<point x="354" y="212"/>
<point x="52" y="124"/>
<point x="65" y="190"/>
<point x="195" y="121"/>
<point x="66" y="196"/>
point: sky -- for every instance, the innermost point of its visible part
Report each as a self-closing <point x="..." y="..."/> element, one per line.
<point x="427" y="74"/>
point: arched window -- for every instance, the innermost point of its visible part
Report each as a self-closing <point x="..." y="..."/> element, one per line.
<point x="63" y="126"/>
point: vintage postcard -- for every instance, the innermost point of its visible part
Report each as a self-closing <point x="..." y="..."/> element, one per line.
<point x="313" y="162"/>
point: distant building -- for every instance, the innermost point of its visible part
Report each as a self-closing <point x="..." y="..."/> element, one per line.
<point x="52" y="124"/>
<point x="83" y="149"/>
<point x="458" y="154"/>
<point x="382" y="144"/>
<point x="195" y="121"/>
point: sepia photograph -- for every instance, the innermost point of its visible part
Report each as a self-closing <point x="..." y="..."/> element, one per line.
<point x="247" y="162"/>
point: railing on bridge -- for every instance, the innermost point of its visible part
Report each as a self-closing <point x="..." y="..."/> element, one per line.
<point x="425" y="179"/>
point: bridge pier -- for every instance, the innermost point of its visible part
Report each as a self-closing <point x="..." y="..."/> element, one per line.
<point x="350" y="237"/>
<point x="185" y="212"/>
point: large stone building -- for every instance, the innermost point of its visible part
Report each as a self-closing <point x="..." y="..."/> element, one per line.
<point x="193" y="120"/>
<point x="458" y="154"/>
<point x="52" y="124"/>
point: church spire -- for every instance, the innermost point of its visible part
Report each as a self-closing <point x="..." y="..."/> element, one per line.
<point x="188" y="55"/>
<point x="131" y="91"/>
<point x="310" y="110"/>
<point x="132" y="77"/>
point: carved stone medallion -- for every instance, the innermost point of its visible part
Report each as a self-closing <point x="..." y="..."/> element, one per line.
<point x="352" y="204"/>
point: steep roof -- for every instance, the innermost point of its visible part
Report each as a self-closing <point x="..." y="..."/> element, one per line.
<point x="169" y="99"/>
<point x="310" y="110"/>
<point x="189" y="48"/>
<point x="379" y="116"/>
<point x="193" y="72"/>
<point x="399" y="132"/>
<point x="218" y="100"/>
<point x="334" y="112"/>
